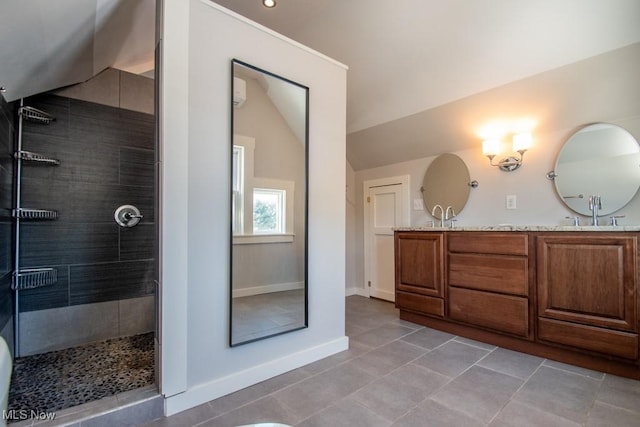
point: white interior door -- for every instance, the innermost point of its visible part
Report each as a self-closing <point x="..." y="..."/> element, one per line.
<point x="385" y="212"/>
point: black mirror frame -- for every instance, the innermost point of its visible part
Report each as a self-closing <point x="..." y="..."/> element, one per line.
<point x="234" y="62"/>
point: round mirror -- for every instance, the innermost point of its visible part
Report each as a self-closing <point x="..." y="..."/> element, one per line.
<point x="446" y="183"/>
<point x="599" y="159"/>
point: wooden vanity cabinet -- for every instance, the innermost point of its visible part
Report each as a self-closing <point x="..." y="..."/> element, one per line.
<point x="587" y="288"/>
<point x="419" y="270"/>
<point x="566" y="296"/>
<point x="488" y="281"/>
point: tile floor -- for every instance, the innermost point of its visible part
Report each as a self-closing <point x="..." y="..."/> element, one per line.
<point x="401" y="374"/>
<point x="263" y="315"/>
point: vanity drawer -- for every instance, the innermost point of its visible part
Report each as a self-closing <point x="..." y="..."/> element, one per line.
<point x="511" y="243"/>
<point x="497" y="273"/>
<point x="503" y="313"/>
<point x="601" y="340"/>
<point x="420" y="303"/>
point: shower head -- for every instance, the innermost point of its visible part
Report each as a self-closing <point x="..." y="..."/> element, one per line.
<point x="35" y="115"/>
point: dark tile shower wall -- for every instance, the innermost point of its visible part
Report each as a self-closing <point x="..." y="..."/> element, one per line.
<point x="106" y="160"/>
<point x="6" y="202"/>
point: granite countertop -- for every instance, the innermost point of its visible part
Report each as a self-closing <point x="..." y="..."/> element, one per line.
<point x="619" y="228"/>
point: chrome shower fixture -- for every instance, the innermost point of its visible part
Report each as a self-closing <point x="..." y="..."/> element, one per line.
<point x="35" y="115"/>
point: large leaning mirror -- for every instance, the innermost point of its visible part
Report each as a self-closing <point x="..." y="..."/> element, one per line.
<point x="269" y="173"/>
<point x="446" y="183"/>
<point x="599" y="159"/>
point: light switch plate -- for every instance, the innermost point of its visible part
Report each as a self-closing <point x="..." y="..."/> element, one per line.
<point x="510" y="201"/>
<point x="418" y="205"/>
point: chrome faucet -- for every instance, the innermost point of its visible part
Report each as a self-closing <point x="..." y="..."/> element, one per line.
<point x="433" y="214"/>
<point x="449" y="214"/>
<point x="595" y="203"/>
<point x="446" y="213"/>
<point x="614" y="219"/>
<point x="575" y="220"/>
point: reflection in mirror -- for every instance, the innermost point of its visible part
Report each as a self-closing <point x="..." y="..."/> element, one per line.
<point x="600" y="159"/>
<point x="268" y="205"/>
<point x="446" y="183"/>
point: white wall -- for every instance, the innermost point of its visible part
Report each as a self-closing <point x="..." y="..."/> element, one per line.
<point x="200" y="39"/>
<point x="537" y="202"/>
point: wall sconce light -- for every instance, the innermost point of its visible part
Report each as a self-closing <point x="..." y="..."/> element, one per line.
<point x="521" y="143"/>
<point x="269" y="3"/>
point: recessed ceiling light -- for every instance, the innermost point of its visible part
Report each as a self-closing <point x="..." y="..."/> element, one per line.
<point x="269" y="3"/>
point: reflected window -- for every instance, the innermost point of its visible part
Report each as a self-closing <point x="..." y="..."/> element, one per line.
<point x="262" y="208"/>
<point x="269" y="211"/>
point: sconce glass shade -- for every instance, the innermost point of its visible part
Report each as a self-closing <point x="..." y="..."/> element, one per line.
<point x="491" y="147"/>
<point x="522" y="141"/>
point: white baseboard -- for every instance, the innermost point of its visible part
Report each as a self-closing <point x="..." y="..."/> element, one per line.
<point x="267" y="289"/>
<point x="385" y="295"/>
<point x="220" y="387"/>
<point x="354" y="290"/>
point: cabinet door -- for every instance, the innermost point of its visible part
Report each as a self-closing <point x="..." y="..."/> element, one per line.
<point x="419" y="263"/>
<point x="588" y="279"/>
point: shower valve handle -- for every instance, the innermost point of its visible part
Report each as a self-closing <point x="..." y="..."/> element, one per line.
<point x="127" y="216"/>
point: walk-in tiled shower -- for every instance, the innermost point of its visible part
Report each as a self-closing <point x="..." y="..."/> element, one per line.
<point x="82" y="311"/>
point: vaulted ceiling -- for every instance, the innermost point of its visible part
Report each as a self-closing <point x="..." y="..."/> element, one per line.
<point x="406" y="58"/>
<point x="46" y="45"/>
<point x="410" y="61"/>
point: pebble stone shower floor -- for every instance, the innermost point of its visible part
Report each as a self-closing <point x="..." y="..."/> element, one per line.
<point x="61" y="379"/>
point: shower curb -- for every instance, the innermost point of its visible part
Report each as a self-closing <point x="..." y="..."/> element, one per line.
<point x="127" y="409"/>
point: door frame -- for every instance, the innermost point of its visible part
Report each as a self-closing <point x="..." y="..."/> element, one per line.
<point x="405" y="218"/>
